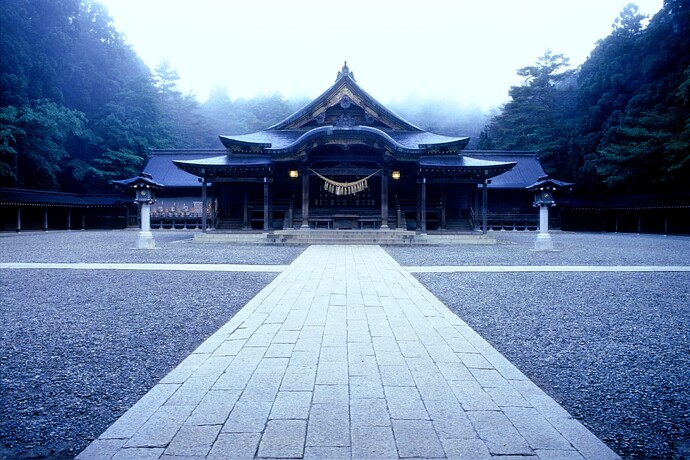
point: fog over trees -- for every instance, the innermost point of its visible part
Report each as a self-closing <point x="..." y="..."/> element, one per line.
<point x="79" y="108"/>
<point x="621" y="122"/>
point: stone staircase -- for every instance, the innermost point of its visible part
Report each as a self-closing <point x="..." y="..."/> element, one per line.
<point x="381" y="237"/>
<point x="349" y="237"/>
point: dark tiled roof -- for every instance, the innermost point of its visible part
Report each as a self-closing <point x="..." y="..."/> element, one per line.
<point x="525" y="173"/>
<point x="546" y="181"/>
<point x="268" y="139"/>
<point x="230" y="160"/>
<point x="161" y="167"/>
<point x="459" y="161"/>
<point x="237" y="163"/>
<point x="473" y="167"/>
<point x="278" y="141"/>
<point x="415" y="140"/>
<point x="13" y="197"/>
<point x="144" y="179"/>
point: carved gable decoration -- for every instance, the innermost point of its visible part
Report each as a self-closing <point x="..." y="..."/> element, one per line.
<point x="345" y="111"/>
<point x="345" y="104"/>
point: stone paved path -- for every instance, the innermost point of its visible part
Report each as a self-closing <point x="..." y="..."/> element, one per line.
<point x="345" y="354"/>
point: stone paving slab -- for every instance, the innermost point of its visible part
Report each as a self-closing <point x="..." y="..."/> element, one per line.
<point x="346" y="354"/>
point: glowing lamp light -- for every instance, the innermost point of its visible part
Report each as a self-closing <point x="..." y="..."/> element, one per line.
<point x="395" y="175"/>
<point x="294" y="174"/>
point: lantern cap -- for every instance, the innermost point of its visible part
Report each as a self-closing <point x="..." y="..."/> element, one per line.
<point x="142" y="180"/>
<point x="546" y="182"/>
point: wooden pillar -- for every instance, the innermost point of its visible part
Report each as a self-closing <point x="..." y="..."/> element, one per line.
<point x="266" y="216"/>
<point x="245" y="207"/>
<point x="423" y="203"/>
<point x="418" y="214"/>
<point x="213" y="208"/>
<point x="83" y="218"/>
<point x="45" y="219"/>
<point x="476" y="207"/>
<point x="69" y="218"/>
<point x="485" y="206"/>
<point x="443" y="207"/>
<point x="666" y="223"/>
<point x="305" y="199"/>
<point x="615" y="213"/>
<point x="204" y="203"/>
<point x="384" y="199"/>
<point x="19" y="219"/>
<point x="639" y="221"/>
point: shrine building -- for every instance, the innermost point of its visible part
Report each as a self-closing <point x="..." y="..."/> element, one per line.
<point x="343" y="161"/>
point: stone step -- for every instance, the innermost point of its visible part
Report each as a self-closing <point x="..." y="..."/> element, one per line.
<point x="385" y="237"/>
<point x="348" y="237"/>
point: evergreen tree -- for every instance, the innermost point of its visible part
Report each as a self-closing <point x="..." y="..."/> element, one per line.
<point x="540" y="114"/>
<point x="60" y="58"/>
<point x="182" y="124"/>
<point x="32" y="143"/>
<point x="633" y="134"/>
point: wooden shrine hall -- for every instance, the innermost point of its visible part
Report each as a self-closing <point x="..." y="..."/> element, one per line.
<point x="344" y="161"/>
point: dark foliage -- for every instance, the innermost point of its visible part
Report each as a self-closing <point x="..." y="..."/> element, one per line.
<point x="540" y="115"/>
<point x="624" y="126"/>
<point x="78" y="107"/>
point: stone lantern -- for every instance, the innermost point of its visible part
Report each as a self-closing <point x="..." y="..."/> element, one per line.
<point x="144" y="195"/>
<point x="544" y="190"/>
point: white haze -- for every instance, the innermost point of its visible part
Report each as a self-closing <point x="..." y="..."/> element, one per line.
<point x="465" y="51"/>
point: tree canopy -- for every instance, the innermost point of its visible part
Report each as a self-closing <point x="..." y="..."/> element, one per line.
<point x="621" y="122"/>
<point x="79" y="108"/>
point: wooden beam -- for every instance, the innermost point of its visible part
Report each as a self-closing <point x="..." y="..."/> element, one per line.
<point x="241" y="179"/>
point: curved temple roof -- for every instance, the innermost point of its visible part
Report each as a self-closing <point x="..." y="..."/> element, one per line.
<point x="349" y="111"/>
<point x="343" y="115"/>
<point x="288" y="141"/>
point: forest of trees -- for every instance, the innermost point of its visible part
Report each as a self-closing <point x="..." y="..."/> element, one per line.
<point x="618" y="124"/>
<point x="79" y="108"/>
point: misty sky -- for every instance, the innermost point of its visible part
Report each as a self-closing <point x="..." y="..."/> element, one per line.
<point x="464" y="50"/>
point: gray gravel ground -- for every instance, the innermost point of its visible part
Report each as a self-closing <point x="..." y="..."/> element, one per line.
<point x="612" y="348"/>
<point x="78" y="348"/>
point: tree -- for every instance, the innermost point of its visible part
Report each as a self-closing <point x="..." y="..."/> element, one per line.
<point x="182" y="124"/>
<point x="68" y="54"/>
<point x="633" y="134"/>
<point x="540" y="114"/>
<point x="34" y="136"/>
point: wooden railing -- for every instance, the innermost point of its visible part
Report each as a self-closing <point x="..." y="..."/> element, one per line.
<point x="511" y="221"/>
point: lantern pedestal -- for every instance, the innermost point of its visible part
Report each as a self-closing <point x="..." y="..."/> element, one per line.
<point x="543" y="242"/>
<point x="145" y="239"/>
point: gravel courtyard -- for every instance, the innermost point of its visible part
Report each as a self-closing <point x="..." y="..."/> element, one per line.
<point x="78" y="348"/>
